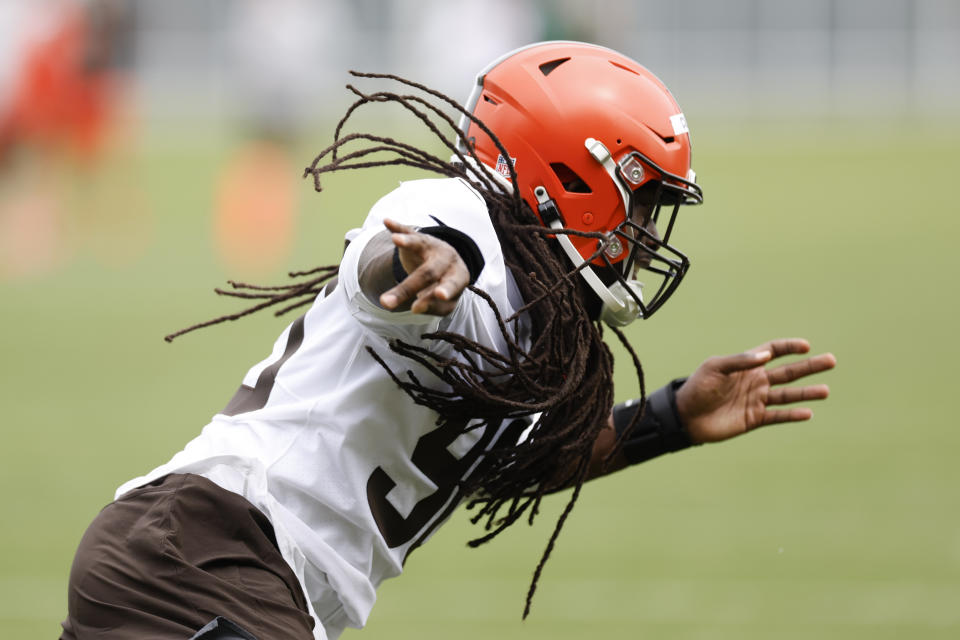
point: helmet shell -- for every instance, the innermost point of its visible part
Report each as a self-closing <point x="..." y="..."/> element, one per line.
<point x="544" y="101"/>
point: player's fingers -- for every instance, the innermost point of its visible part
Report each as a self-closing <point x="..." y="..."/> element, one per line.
<point x="422" y="277"/>
<point x="395" y="296"/>
<point x="416" y="249"/>
<point x="441" y="297"/>
<point x="428" y="274"/>
<point x="453" y="282"/>
<point x="435" y="286"/>
<point x="436" y="273"/>
<point x="761" y="354"/>
<point x="789" y="395"/>
<point x="787" y="346"/>
<point x="427" y="302"/>
<point x="806" y="367"/>
<point x="777" y="416"/>
<point x="431" y="305"/>
<point x="783" y="346"/>
<point x="412" y="246"/>
<point x="740" y="361"/>
<point x="396" y="227"/>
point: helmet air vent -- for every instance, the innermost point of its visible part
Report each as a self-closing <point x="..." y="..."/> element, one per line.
<point x="572" y="183"/>
<point x="625" y="68"/>
<point x="547" y="67"/>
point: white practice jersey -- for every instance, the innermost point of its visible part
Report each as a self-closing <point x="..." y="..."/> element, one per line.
<point x="351" y="472"/>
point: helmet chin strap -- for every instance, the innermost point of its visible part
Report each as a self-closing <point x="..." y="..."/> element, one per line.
<point x="617" y="311"/>
<point x="630" y="310"/>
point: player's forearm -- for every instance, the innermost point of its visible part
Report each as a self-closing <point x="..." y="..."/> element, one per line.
<point x="601" y="462"/>
<point x="659" y="430"/>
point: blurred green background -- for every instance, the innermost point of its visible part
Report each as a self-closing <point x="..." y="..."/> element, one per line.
<point x="836" y="226"/>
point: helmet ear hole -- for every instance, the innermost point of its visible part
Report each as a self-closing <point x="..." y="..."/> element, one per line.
<point x="572" y="183"/>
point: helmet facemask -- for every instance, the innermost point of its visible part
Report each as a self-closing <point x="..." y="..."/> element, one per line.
<point x="646" y="233"/>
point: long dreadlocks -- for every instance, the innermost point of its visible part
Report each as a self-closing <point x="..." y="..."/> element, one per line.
<point x="565" y="375"/>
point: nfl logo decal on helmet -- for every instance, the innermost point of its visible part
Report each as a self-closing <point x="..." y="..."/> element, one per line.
<point x="503" y="167"/>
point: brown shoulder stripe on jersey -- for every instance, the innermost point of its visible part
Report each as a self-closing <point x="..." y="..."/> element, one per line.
<point x="253" y="398"/>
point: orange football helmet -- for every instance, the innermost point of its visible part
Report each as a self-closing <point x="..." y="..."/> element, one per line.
<point x="598" y="146"/>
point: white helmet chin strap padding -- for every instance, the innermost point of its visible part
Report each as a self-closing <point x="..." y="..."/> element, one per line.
<point x="630" y="310"/>
<point x="618" y="311"/>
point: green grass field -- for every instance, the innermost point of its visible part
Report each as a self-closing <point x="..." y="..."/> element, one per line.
<point x="845" y="527"/>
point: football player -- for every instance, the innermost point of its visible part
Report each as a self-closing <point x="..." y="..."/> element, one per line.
<point x="456" y="354"/>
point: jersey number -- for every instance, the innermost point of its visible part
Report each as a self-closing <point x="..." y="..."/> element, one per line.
<point x="432" y="457"/>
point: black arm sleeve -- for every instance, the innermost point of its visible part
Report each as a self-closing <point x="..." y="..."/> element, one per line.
<point x="659" y="429"/>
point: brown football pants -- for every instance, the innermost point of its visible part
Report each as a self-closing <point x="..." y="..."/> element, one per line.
<point x="166" y="559"/>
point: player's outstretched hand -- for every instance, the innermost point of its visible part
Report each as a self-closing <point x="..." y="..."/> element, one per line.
<point x="437" y="274"/>
<point x="730" y="395"/>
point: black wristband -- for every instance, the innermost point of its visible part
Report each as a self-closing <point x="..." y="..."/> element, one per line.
<point x="658" y="431"/>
